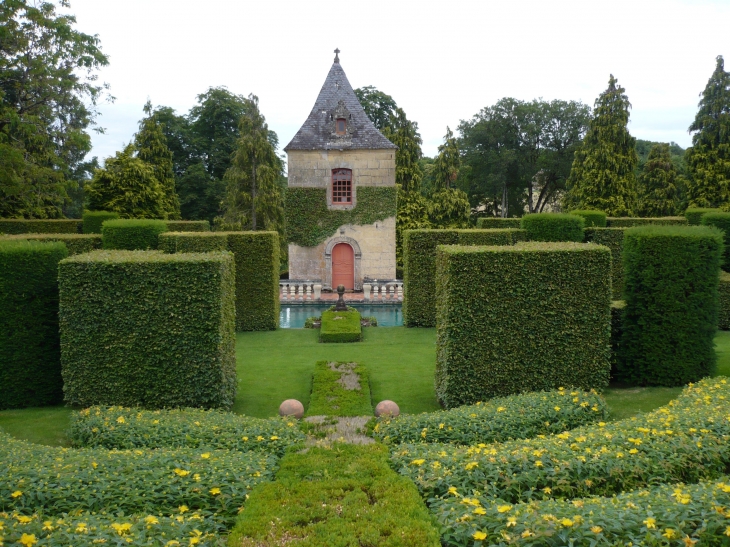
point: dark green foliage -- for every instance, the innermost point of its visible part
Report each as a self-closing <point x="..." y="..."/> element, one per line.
<point x="188" y="225"/>
<point x="132" y="234"/>
<point x="449" y="208"/>
<point x="628" y="222"/>
<point x="340" y="326"/>
<point x="412" y="214"/>
<point x="723" y="317"/>
<point x="534" y="316"/>
<point x="92" y="220"/>
<point x="694" y="214"/>
<point x="419" y="271"/>
<point x="592" y="218"/>
<point x="496" y="222"/>
<point x="671" y="304"/>
<point x="148" y="329"/>
<point x="192" y="242"/>
<point x="617" y="329"/>
<point x="722" y="222"/>
<point x="340" y="389"/>
<point x="553" y="227"/>
<point x="75" y="243"/>
<point x="660" y="185"/>
<point x="22" y="226"/>
<point x="309" y="222"/>
<point x="613" y="238"/>
<point x="30" y="368"/>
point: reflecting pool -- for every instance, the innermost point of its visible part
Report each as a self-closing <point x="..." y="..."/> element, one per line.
<point x="293" y="317"/>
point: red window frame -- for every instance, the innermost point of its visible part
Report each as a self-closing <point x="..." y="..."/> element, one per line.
<point x="339" y="121"/>
<point x="342" y="186"/>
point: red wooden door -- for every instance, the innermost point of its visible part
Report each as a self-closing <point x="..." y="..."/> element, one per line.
<point x="343" y="266"/>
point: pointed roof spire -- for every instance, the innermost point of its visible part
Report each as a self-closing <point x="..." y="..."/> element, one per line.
<point x="337" y="100"/>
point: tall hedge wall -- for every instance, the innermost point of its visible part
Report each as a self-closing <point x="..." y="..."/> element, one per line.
<point x="593" y="219"/>
<point x="92" y="220"/>
<point x="694" y="214"/>
<point x="629" y="222"/>
<point x="131" y="234"/>
<point x="723" y="318"/>
<point x="720" y="221"/>
<point x="75" y="243"/>
<point x="529" y="317"/>
<point x="617" y="329"/>
<point x="188" y="225"/>
<point x="192" y="242"/>
<point x="553" y="227"/>
<point x="613" y="238"/>
<point x="30" y="367"/>
<point x="671" y="304"/>
<point x="486" y="223"/>
<point x="143" y="328"/>
<point x="23" y="226"/>
<point x="419" y="266"/>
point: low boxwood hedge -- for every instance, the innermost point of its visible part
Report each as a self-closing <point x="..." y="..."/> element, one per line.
<point x="693" y="215"/>
<point x="529" y="317"/>
<point x="684" y="441"/>
<point x="92" y="220"/>
<point x="613" y="238"/>
<point x="630" y="222"/>
<point x="723" y="316"/>
<point x="142" y="328"/>
<point x="340" y="327"/>
<point x="721" y="221"/>
<point x="56" y="226"/>
<point x="593" y="219"/>
<point x="670" y="318"/>
<point x="553" y="227"/>
<point x="340" y="389"/>
<point x="75" y="243"/>
<point x="486" y="223"/>
<point x="30" y="366"/>
<point x="131" y="234"/>
<point x="121" y="428"/>
<point x="419" y="266"/>
<point x="192" y="242"/>
<point x="188" y="225"/>
<point x="497" y="420"/>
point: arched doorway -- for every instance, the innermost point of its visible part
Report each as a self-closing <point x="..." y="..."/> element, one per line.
<point x="343" y="266"/>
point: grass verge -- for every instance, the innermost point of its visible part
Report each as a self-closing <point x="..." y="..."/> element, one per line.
<point x="340" y="389"/>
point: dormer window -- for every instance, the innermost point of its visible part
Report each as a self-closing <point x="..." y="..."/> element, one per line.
<point x="341" y="126"/>
<point x="341" y="186"/>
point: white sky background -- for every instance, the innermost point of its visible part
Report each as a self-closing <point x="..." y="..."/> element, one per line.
<point x="442" y="61"/>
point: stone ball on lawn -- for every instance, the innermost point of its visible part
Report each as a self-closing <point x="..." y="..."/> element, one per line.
<point x="387" y="408"/>
<point x="291" y="407"/>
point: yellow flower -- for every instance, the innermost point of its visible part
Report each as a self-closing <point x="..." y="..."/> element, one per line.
<point x="547" y="490"/>
<point x="183" y="509"/>
<point x="688" y="541"/>
<point x="181" y="472"/>
<point x="205" y="455"/>
<point x="727" y="530"/>
<point x="452" y="490"/>
<point x="527" y="534"/>
<point x="274" y="438"/>
<point x="215" y="491"/>
<point x="503" y="508"/>
<point x="441" y="426"/>
<point x="259" y="438"/>
<point x="479" y="536"/>
<point x="512" y="521"/>
<point x="557" y="409"/>
<point x="650" y="522"/>
<point x="122" y="529"/>
<point x="47" y="525"/>
<point x="151" y="520"/>
<point x="22" y="519"/>
<point x="633" y="451"/>
<point x="669" y="533"/>
<point x="566" y="522"/>
<point x="81" y="528"/>
<point x="471" y="465"/>
<point x="245" y="438"/>
<point x="596" y="529"/>
<point x="480" y="511"/>
<point x="28" y="540"/>
<point x="538" y="463"/>
<point x="196" y="477"/>
<point x="120" y="420"/>
<point x="501" y="409"/>
<point x="16" y="494"/>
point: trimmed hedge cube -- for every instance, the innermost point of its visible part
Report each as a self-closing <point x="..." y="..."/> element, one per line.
<point x="340" y="326"/>
<point x="694" y="214"/>
<point x="593" y="219"/>
<point x="192" y="242"/>
<point x="143" y="328"/>
<point x="92" y="220"/>
<point x="670" y="318"/>
<point x="630" y="222"/>
<point x="188" y="225"/>
<point x="75" y="243"/>
<point x="613" y="238"/>
<point x="553" y="227"/>
<point x="722" y="222"/>
<point x="132" y="234"/>
<point x="419" y="266"/>
<point x="723" y="318"/>
<point x="30" y="367"/>
<point x="35" y="226"/>
<point x="486" y="223"/>
<point x="534" y="316"/>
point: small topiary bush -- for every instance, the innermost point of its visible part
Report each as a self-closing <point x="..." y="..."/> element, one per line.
<point x="131" y="234"/>
<point x="188" y="225"/>
<point x="613" y="238"/>
<point x="670" y="318"/>
<point x="486" y="223"/>
<point x="340" y="327"/>
<point x="75" y="243"/>
<point x="30" y="367"/>
<point x="720" y="221"/>
<point x="593" y="219"/>
<point x="92" y="220"/>
<point x="192" y="242"/>
<point x="553" y="227"/>
<point x="22" y="226"/>
<point x="630" y="222"/>
<point x="723" y="320"/>
<point x="694" y="214"/>
<point x="148" y="329"/>
<point x="530" y="317"/>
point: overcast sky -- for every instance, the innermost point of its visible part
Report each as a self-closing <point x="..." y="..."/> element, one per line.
<point x="442" y="61"/>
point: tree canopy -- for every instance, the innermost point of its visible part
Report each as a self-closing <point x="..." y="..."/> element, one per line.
<point x="659" y="184"/>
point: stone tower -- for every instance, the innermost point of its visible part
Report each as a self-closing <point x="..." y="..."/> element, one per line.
<point x="341" y="199"/>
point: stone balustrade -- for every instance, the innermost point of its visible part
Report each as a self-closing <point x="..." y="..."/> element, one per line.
<point x="293" y="290"/>
<point x="389" y="291"/>
<point x="299" y="290"/>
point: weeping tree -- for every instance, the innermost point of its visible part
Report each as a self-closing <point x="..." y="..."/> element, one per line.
<point x="659" y="184"/>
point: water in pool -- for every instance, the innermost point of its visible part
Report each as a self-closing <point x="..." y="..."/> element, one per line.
<point x="293" y="317"/>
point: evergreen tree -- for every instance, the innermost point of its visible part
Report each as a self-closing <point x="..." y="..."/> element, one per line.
<point x="708" y="160"/>
<point x="602" y="176"/>
<point x="658" y="184"/>
<point x="448" y="207"/>
<point x="404" y="134"/>
<point x="412" y="214"/>
<point x="448" y="161"/>
<point x="151" y="146"/>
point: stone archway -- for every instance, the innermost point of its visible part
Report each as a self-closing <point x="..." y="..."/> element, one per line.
<point x="328" y="261"/>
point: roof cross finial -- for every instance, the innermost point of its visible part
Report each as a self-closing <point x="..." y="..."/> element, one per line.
<point x="337" y="55"/>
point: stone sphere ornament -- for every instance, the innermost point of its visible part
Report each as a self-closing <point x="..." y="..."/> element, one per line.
<point x="291" y="407"/>
<point x="387" y="408"/>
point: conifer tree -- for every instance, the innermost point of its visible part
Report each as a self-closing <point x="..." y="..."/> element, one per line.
<point x="708" y="160"/>
<point x="658" y="184"/>
<point x="404" y="134"/>
<point x="448" y="207"/>
<point x="602" y="176"/>
<point x="448" y="161"/>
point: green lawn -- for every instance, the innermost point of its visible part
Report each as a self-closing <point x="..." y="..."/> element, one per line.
<point x="278" y="365"/>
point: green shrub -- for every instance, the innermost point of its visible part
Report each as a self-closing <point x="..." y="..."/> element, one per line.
<point x="593" y="219"/>
<point x="497" y="420"/>
<point x="340" y="389"/>
<point x="617" y="328"/>
<point x="343" y="496"/>
<point x="684" y="514"/>
<point x="75" y="243"/>
<point x="694" y="214"/>
<point x="629" y="222"/>
<point x="30" y="367"/>
<point x="192" y="242"/>
<point x="685" y="441"/>
<point x="131" y="234"/>
<point x="340" y="326"/>
<point x="22" y="226"/>
<point x="723" y="320"/>
<point x="92" y="220"/>
<point x="188" y="225"/>
<point x="721" y="221"/>
<point x="122" y="428"/>
<point x="553" y="227"/>
<point x="61" y="480"/>
<point x="486" y="223"/>
<point x="670" y="318"/>
<point x="419" y="266"/>
<point x="613" y="238"/>
<point x="530" y="317"/>
<point x="141" y="328"/>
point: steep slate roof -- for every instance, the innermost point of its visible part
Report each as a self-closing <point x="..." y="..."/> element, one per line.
<point x="317" y="133"/>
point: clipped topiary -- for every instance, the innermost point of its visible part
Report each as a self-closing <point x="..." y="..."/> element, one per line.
<point x="188" y="225"/>
<point x="485" y="223"/>
<point x="630" y="222"/>
<point x="613" y="238"/>
<point x="722" y="222"/>
<point x="553" y="227"/>
<point x="94" y="219"/>
<point x="593" y="219"/>
<point x="35" y="226"/>
<point x="75" y="243"/>
<point x="723" y="319"/>
<point x="132" y="234"/>
<point x="694" y="214"/>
